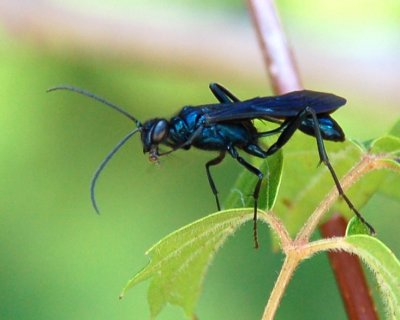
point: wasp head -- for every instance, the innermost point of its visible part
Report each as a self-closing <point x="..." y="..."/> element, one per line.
<point x="153" y="132"/>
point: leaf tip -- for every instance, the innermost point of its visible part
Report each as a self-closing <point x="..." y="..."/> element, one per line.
<point x="356" y="226"/>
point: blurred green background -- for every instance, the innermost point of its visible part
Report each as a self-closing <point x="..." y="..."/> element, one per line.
<point x="62" y="261"/>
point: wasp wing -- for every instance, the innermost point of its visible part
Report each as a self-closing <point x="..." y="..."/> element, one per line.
<point x="275" y="107"/>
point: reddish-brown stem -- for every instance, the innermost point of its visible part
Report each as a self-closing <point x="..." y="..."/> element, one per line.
<point x="275" y="49"/>
<point x="276" y="52"/>
<point x="349" y="275"/>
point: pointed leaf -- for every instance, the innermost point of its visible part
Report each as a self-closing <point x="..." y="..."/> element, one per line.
<point x="179" y="261"/>
<point x="389" y="145"/>
<point x="384" y="264"/>
<point x="356" y="226"/>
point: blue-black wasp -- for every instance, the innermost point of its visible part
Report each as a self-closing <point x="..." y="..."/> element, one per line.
<point x="227" y="126"/>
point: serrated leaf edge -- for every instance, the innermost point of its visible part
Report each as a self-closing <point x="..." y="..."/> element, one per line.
<point x="226" y="225"/>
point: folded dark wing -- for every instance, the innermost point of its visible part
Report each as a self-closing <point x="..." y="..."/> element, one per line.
<point x="283" y="106"/>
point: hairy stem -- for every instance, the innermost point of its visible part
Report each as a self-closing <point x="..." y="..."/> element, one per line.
<point x="287" y="270"/>
<point x="366" y="164"/>
<point x="278" y="227"/>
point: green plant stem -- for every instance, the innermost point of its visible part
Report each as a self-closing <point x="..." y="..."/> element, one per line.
<point x="289" y="265"/>
<point x="296" y="253"/>
<point x="278" y="227"/>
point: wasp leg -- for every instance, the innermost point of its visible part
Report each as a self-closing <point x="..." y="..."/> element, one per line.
<point x="210" y="163"/>
<point x="233" y="152"/>
<point x="187" y="143"/>
<point x="222" y="94"/>
<point x="280" y="129"/>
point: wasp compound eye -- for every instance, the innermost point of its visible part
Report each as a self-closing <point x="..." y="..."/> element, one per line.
<point x="160" y="131"/>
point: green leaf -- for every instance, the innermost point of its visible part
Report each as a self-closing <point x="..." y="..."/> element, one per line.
<point x="363" y="145"/>
<point x="179" y="261"/>
<point x="384" y="144"/>
<point x="356" y="226"/>
<point x="389" y="145"/>
<point x="241" y="194"/>
<point x="384" y="264"/>
<point x="395" y="131"/>
<point x="391" y="186"/>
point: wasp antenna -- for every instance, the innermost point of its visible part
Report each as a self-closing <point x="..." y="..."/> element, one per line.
<point x="97" y="98"/>
<point x="103" y="165"/>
